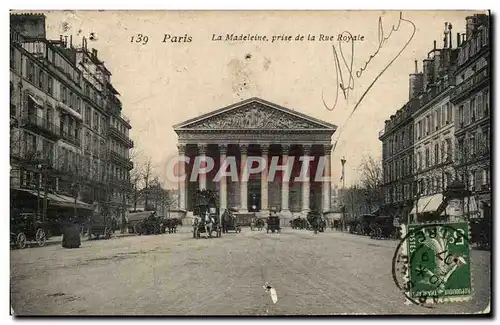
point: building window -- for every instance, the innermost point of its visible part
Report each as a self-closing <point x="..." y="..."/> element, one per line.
<point x="96" y="121"/>
<point x="473" y="110"/>
<point x="461" y="116"/>
<point x="40" y="79"/>
<point x="428" y="125"/>
<point x="486" y="102"/>
<point x="438" y="118"/>
<point x="419" y="161"/>
<point x="472" y="145"/>
<point x="436" y="153"/>
<point x="13" y="64"/>
<point x="30" y="70"/>
<point x="449" y="110"/>
<point x="87" y="115"/>
<point x="50" y="86"/>
<point x="427" y="158"/>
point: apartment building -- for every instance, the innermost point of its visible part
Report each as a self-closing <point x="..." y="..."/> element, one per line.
<point x="397" y="157"/>
<point x="471" y="99"/>
<point x="61" y="117"/>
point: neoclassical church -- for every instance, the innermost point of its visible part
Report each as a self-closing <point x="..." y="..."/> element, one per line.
<point x="256" y="127"/>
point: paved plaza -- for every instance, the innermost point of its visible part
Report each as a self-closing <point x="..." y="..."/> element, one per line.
<point x="175" y="274"/>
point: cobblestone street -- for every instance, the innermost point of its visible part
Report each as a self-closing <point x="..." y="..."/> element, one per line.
<point x="174" y="274"/>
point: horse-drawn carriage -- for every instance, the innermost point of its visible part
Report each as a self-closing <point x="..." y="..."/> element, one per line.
<point x="145" y="223"/>
<point x="257" y="224"/>
<point x="480" y="229"/>
<point x="362" y="225"/>
<point x="316" y="221"/>
<point x="298" y="223"/>
<point x="170" y="225"/>
<point x="229" y="222"/>
<point x="382" y="227"/>
<point x="100" y="225"/>
<point x="206" y="211"/>
<point x="26" y="227"/>
<point x="273" y="224"/>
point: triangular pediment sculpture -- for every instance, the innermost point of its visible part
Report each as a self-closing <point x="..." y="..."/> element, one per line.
<point x="254" y="114"/>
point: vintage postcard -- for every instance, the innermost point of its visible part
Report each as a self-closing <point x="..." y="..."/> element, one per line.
<point x="250" y="163"/>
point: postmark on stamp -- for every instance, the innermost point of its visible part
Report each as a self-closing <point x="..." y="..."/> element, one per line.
<point x="431" y="264"/>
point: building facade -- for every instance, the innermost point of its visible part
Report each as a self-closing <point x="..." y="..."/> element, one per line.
<point x="449" y="104"/>
<point x="471" y="99"/>
<point x="256" y="127"/>
<point x="61" y="121"/>
<point x="397" y="159"/>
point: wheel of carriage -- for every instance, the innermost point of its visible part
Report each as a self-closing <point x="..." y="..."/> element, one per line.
<point x="107" y="233"/>
<point x="40" y="237"/>
<point x="137" y="229"/>
<point x="21" y="240"/>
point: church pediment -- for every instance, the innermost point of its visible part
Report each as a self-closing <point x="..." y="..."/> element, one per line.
<point x="254" y="114"/>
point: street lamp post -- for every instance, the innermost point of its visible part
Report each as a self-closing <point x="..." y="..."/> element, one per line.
<point x="343" y="161"/>
<point x="43" y="173"/>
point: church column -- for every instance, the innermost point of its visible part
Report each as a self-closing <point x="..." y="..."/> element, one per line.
<point x="243" y="182"/>
<point x="202" y="149"/>
<point x="223" y="180"/>
<point x="306" y="187"/>
<point x="285" y="188"/>
<point x="326" y="186"/>
<point x="182" y="173"/>
<point x="264" y="196"/>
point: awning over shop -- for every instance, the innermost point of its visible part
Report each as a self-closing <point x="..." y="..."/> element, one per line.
<point x="59" y="200"/>
<point x="70" y="111"/>
<point x="37" y="101"/>
<point x="427" y="204"/>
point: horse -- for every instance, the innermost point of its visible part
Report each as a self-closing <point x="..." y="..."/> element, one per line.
<point x="208" y="223"/>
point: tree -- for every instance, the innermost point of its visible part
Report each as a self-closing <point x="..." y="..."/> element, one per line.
<point x="135" y="177"/>
<point x="147" y="175"/>
<point x="371" y="182"/>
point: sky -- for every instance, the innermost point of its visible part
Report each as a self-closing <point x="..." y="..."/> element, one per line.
<point x="165" y="83"/>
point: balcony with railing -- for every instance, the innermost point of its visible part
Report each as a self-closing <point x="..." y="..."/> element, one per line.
<point x="119" y="159"/>
<point x="71" y="138"/>
<point x="40" y="124"/>
<point x="122" y="183"/>
<point x="113" y="131"/>
<point x="469" y="84"/>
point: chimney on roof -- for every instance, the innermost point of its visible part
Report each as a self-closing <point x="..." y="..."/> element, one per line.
<point x="450" y="37"/>
<point x="434" y="44"/>
<point x="65" y="41"/>
<point x="458" y="39"/>
<point x="445" y="38"/>
<point x="94" y="53"/>
<point x="70" y="40"/>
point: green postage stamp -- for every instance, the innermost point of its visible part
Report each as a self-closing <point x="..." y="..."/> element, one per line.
<point x="438" y="262"/>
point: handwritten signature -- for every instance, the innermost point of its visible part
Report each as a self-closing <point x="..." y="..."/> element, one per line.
<point x="347" y="85"/>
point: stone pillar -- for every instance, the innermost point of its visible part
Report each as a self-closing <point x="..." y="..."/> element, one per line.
<point x="306" y="186"/>
<point x="285" y="188"/>
<point x="202" y="150"/>
<point x="223" y="180"/>
<point x="243" y="182"/>
<point x="182" y="183"/>
<point x="264" y="194"/>
<point x="326" y="186"/>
